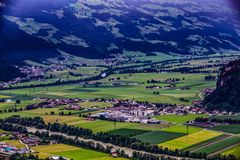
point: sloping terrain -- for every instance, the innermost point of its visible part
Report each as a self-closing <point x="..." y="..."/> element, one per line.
<point x="227" y="94"/>
<point x="99" y="28"/>
<point x="37" y="30"/>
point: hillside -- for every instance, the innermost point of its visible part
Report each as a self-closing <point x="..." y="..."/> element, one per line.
<point x="8" y="72"/>
<point x="33" y="29"/>
<point x="227" y="93"/>
<point x="38" y="30"/>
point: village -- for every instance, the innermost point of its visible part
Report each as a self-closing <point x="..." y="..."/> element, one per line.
<point x="124" y="110"/>
<point x="7" y="149"/>
<point x="37" y="73"/>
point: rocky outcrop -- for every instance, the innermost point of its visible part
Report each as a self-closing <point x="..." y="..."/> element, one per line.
<point x="227" y="93"/>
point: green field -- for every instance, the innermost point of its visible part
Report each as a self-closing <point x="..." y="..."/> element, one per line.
<point x="10" y="105"/>
<point x="179" y="118"/>
<point x="15" y="143"/>
<point x="106" y="126"/>
<point x="233" y="151"/>
<point x="182" y="129"/>
<point x="127" y="90"/>
<point x="191" y="139"/>
<point x="127" y="132"/>
<point x="221" y="145"/>
<point x="205" y="143"/>
<point x="71" y="152"/>
<point x="157" y="137"/>
<point x="231" y="128"/>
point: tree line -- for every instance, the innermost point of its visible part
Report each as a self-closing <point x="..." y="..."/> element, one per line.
<point x="218" y="120"/>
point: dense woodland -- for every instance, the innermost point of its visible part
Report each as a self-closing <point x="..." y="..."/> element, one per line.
<point x="8" y="72"/>
<point x="217" y="120"/>
<point x="226" y="97"/>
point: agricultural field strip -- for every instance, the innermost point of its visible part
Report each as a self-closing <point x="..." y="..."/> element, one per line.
<point x="179" y="119"/>
<point x="128" y="132"/>
<point x="128" y="151"/>
<point x="234" y="151"/>
<point x="71" y="152"/>
<point x="229" y="128"/>
<point x="219" y="146"/>
<point x="206" y="143"/>
<point x="191" y="139"/>
<point x="182" y="129"/>
<point x="222" y="150"/>
<point x="157" y="137"/>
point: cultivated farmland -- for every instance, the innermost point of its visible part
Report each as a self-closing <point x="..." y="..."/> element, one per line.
<point x="221" y="145"/>
<point x="230" y="128"/>
<point x="157" y="137"/>
<point x="188" y="140"/>
<point x="179" y="118"/>
<point x="71" y="152"/>
<point x="233" y="151"/>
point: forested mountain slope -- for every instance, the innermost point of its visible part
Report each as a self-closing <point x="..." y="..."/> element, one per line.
<point x="227" y="94"/>
<point x="37" y="30"/>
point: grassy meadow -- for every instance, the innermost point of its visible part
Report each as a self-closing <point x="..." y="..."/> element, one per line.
<point x="128" y="132"/>
<point x="182" y="129"/>
<point x="180" y="119"/>
<point x="131" y="86"/>
<point x="157" y="137"/>
<point x="229" y="128"/>
<point x="71" y="152"/>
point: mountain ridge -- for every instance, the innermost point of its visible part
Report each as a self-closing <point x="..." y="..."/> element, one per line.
<point x="33" y="30"/>
<point x="102" y="28"/>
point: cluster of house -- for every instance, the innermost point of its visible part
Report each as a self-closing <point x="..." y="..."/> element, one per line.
<point x="125" y="110"/>
<point x="10" y="149"/>
<point x="129" y="111"/>
<point x="139" y="112"/>
<point x="207" y="91"/>
<point x="125" y="117"/>
<point x="204" y="124"/>
<point x="182" y="110"/>
<point x="9" y="83"/>
<point x="73" y="107"/>
<point x="159" y="87"/>
<point x="52" y="103"/>
<point x="171" y="80"/>
<point x="37" y="73"/>
<point x="28" y="140"/>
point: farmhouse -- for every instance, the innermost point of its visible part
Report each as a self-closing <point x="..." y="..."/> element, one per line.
<point x="58" y="158"/>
